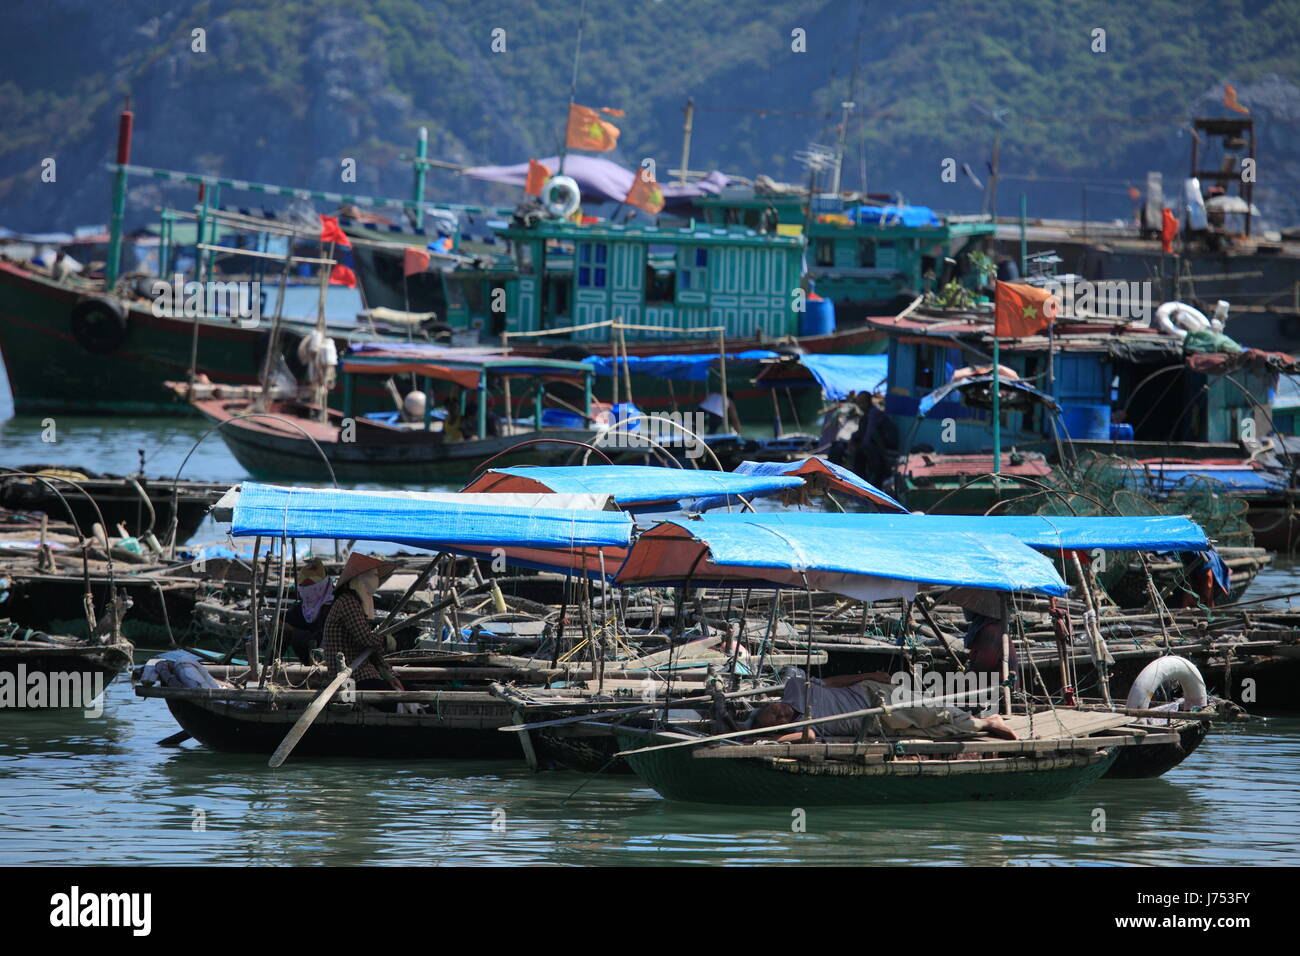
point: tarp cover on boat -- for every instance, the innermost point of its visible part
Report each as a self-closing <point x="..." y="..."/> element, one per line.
<point x="602" y="180"/>
<point x="838" y="375"/>
<point x="690" y="368"/>
<point x="461" y="366"/>
<point x="818" y="473"/>
<point x="424" y="522"/>
<point x="747" y="548"/>
<point x="1142" y="532"/>
<point x="1163" y="480"/>
<point x="631" y="484"/>
<point x="939" y="394"/>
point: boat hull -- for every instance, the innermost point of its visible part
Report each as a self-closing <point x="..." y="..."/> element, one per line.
<point x="50" y="371"/>
<point x="1144" y="761"/>
<point x="677" y="775"/>
<point x="297" y="459"/>
<point x="73" y="668"/>
<point x="358" y="732"/>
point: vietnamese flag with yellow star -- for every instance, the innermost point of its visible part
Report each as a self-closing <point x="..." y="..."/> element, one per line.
<point x="588" y="131"/>
<point x="1020" y="310"/>
<point x="645" y="193"/>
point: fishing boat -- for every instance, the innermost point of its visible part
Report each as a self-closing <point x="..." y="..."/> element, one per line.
<point x="439" y="434"/>
<point x="875" y="773"/>
<point x="1058" y="751"/>
<point x="141" y="504"/>
<point x="39" y="670"/>
<point x="1174" y="421"/>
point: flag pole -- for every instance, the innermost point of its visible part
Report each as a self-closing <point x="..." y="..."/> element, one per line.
<point x="573" y="84"/>
<point x="997" y="404"/>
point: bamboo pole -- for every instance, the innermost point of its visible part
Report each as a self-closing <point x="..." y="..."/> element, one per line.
<point x="884" y="710"/>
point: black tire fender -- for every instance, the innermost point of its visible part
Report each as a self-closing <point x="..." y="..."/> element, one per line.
<point x="99" y="324"/>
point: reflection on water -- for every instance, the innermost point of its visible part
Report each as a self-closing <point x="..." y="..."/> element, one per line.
<point x="101" y="791"/>
<point x="76" y="790"/>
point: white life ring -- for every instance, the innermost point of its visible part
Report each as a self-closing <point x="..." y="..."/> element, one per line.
<point x="560" y="197"/>
<point x="1161" y="670"/>
<point x="1179" y="318"/>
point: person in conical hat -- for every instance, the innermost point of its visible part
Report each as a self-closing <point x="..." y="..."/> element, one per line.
<point x="304" y="624"/>
<point x="347" y="628"/>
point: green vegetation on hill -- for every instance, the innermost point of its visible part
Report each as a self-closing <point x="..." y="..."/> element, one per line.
<point x="287" y="88"/>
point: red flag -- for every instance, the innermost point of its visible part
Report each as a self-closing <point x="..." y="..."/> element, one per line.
<point x="1168" y="229"/>
<point x="1230" y="99"/>
<point x="331" y="231"/>
<point x="415" y="261"/>
<point x="342" y="275"/>
<point x="1020" y="310"/>
<point x="588" y="131"/>
<point x="645" y="193"/>
<point x="538" y="174"/>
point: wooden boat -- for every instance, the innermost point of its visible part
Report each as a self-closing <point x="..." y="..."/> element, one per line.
<point x="142" y="504"/>
<point x="1040" y="766"/>
<point x="74" y="669"/>
<point x="299" y="439"/>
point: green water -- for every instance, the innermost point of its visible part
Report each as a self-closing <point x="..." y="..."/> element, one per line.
<point x="76" y="790"/>
<point x="81" y="790"/>
<point x="86" y="791"/>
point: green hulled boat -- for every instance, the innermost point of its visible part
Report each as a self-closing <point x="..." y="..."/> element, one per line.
<point x="700" y="777"/>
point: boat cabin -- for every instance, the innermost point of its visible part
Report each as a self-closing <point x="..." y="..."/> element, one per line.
<point x="1120" y="388"/>
<point x="460" y="385"/>
<point x="868" y="259"/>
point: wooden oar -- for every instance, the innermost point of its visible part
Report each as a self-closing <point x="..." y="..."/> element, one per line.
<point x="175" y="740"/>
<point x="313" y="711"/>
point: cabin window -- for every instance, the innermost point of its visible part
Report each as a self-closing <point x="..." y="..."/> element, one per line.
<point x="497" y="295"/>
<point x="660" y="286"/>
<point x="524" y="256"/>
<point x="926" y="359"/>
<point x="593" y="259"/>
<point x="555" y="293"/>
<point x="455" y="292"/>
<point x="825" y="252"/>
<point x="472" y="290"/>
<point x="693" y="270"/>
<point x="866" y="254"/>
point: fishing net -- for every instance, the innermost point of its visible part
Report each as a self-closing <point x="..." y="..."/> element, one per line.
<point x="1098" y="484"/>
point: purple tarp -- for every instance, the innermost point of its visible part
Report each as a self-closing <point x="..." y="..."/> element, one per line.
<point x="602" y="180"/>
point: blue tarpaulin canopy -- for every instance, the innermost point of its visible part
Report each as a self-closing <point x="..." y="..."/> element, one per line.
<point x="1167" y="479"/>
<point x="630" y="484"/>
<point x="838" y="375"/>
<point x="691" y="368"/>
<point x="754" y="547"/>
<point x="817" y="471"/>
<point x="422" y="522"/>
<point x="912" y="217"/>
<point x="1139" y="533"/>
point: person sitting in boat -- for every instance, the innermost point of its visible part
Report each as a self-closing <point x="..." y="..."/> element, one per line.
<point x="983" y="642"/>
<point x="347" y="627"/>
<point x="304" y="624"/>
<point x="853" y="692"/>
<point x="717" y="413"/>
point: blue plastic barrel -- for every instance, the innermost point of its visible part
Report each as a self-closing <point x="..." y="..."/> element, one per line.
<point x="1121" y="432"/>
<point x="1086" y="422"/>
<point x="818" y="316"/>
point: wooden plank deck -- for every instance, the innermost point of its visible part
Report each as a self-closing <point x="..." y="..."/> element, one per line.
<point x="1065" y="723"/>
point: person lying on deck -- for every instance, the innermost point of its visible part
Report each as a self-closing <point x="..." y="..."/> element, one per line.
<point x="347" y="628"/>
<point x="852" y="692"/>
